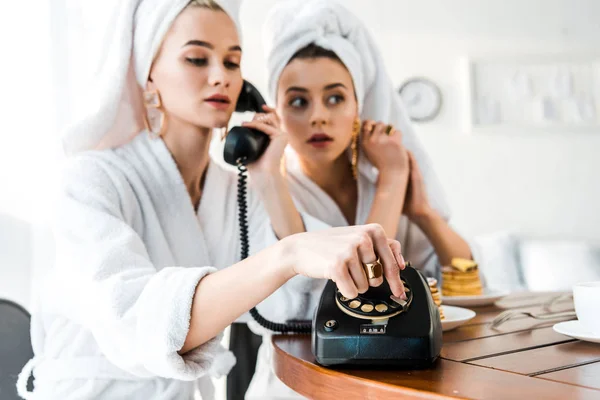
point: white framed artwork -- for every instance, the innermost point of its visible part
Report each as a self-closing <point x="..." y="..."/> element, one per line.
<point x="532" y="94"/>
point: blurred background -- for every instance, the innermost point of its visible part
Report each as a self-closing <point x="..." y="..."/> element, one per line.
<point x="510" y="91"/>
<point x="515" y="142"/>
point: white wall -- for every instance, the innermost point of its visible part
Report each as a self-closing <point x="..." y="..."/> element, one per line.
<point x="27" y="136"/>
<point x="15" y="259"/>
<point x="540" y="185"/>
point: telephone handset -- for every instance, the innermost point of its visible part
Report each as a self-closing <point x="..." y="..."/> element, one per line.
<point x="245" y="145"/>
<point x="375" y="328"/>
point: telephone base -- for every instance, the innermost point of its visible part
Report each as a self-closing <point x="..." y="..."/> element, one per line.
<point x="411" y="339"/>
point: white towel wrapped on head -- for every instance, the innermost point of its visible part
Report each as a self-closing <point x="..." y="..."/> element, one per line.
<point x="292" y="25"/>
<point x="109" y="71"/>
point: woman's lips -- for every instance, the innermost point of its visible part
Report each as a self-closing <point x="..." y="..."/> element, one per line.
<point x="218" y="101"/>
<point x="320" y="140"/>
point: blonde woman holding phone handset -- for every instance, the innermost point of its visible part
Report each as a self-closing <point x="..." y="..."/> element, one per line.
<point x="147" y="269"/>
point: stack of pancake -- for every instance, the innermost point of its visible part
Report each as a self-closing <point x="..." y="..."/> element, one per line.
<point x="461" y="278"/>
<point x="435" y="293"/>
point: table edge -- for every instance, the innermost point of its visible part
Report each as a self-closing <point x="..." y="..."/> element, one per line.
<point x="280" y="357"/>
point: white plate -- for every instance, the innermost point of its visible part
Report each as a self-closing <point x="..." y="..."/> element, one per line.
<point x="455" y="317"/>
<point x="575" y="330"/>
<point x="489" y="297"/>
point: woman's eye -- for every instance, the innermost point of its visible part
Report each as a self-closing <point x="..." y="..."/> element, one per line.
<point x="231" y="65"/>
<point x="199" y="62"/>
<point x="335" y="99"/>
<point x="298" y="102"/>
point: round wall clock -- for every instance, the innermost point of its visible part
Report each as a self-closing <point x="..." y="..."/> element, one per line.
<point x="422" y="98"/>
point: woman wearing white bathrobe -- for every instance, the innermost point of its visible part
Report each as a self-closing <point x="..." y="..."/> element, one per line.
<point x="345" y="165"/>
<point x="145" y="229"/>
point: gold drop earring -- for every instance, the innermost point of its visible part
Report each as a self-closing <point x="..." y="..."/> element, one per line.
<point x="354" y="147"/>
<point x="154" y="119"/>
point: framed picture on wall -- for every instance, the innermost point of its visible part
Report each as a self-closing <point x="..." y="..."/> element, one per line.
<point x="513" y="94"/>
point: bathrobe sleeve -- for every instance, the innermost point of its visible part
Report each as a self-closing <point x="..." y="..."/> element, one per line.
<point x="138" y="315"/>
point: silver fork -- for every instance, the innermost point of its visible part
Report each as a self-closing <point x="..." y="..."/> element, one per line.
<point x="547" y="306"/>
<point x="510" y="314"/>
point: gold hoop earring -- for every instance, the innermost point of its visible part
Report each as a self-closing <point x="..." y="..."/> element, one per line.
<point x="354" y="147"/>
<point x="154" y="119"/>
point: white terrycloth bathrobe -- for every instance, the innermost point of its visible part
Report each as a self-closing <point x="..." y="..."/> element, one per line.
<point x="130" y="252"/>
<point x="130" y="247"/>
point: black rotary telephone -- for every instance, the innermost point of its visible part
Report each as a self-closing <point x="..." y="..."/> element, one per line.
<point x="375" y="328"/>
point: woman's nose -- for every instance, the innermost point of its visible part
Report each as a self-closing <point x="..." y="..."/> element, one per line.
<point x="320" y="115"/>
<point x="218" y="77"/>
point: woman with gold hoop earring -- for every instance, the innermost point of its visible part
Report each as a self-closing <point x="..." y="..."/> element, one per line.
<point x="353" y="156"/>
<point x="147" y="259"/>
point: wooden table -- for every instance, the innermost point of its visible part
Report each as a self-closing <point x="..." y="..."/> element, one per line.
<point x="522" y="359"/>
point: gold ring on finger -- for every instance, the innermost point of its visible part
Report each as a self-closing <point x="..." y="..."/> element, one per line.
<point x="373" y="270"/>
<point x="389" y="130"/>
<point x="262" y="118"/>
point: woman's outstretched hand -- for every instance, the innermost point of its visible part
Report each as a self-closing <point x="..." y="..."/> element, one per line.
<point x="336" y="253"/>
<point x="339" y="254"/>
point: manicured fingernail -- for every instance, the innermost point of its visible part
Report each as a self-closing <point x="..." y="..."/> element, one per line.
<point x="403" y="296"/>
<point x="403" y="262"/>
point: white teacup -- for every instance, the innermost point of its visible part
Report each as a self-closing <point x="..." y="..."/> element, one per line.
<point x="587" y="305"/>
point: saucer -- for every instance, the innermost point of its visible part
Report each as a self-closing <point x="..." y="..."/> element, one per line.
<point x="455" y="317"/>
<point x="575" y="330"/>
